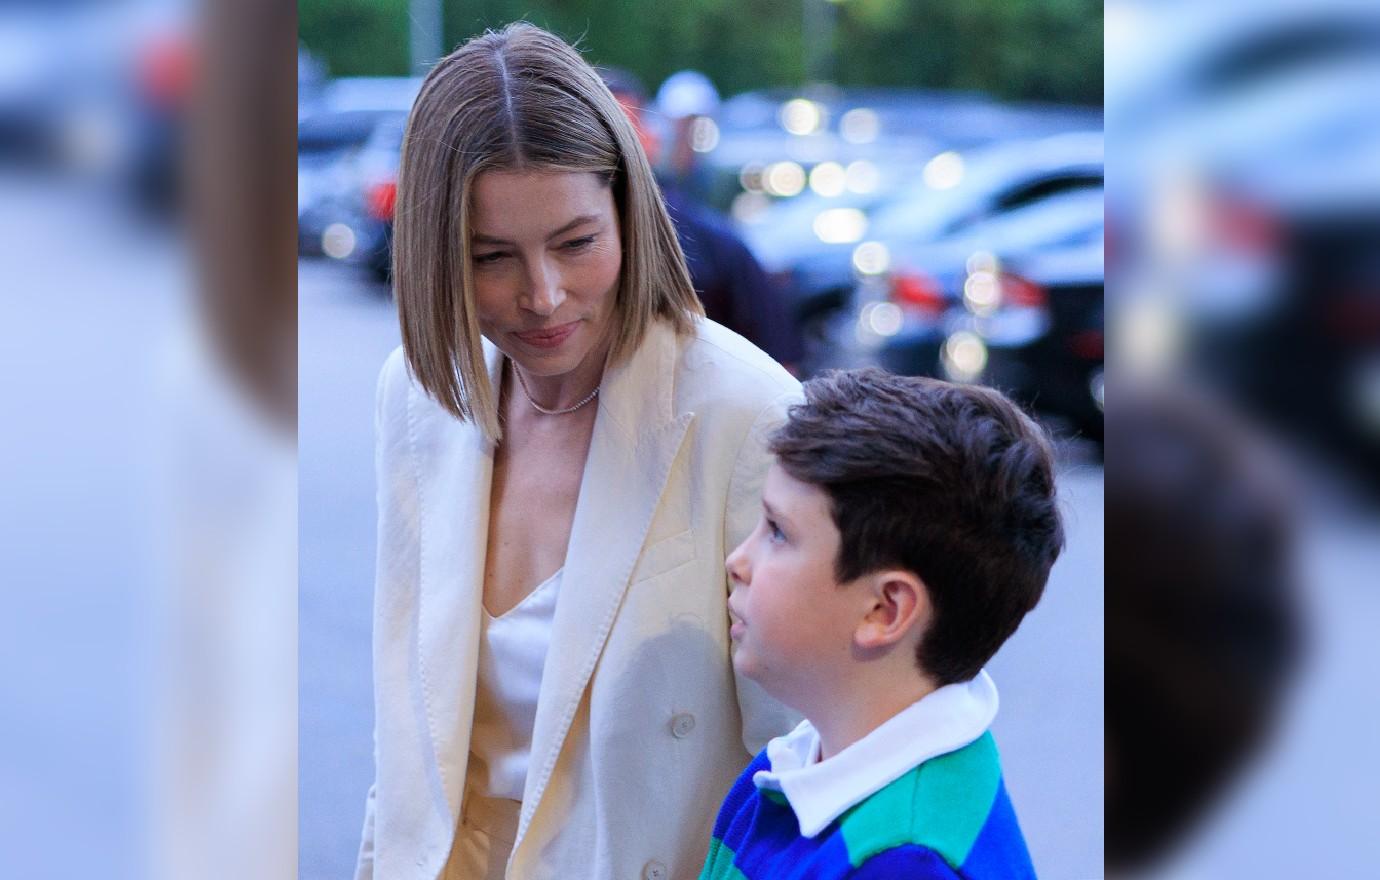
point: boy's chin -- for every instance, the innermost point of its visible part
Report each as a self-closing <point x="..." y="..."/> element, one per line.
<point x="744" y="666"/>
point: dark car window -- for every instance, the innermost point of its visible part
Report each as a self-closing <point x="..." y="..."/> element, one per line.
<point x="1302" y="45"/>
<point x="1044" y="188"/>
<point x="332" y="132"/>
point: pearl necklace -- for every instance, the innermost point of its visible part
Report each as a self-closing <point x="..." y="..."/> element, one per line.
<point x="551" y="412"/>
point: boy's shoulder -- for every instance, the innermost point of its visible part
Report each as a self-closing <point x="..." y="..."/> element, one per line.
<point x="954" y="807"/>
<point x="743" y="791"/>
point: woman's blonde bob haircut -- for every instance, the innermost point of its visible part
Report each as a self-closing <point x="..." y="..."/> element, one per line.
<point x="517" y="99"/>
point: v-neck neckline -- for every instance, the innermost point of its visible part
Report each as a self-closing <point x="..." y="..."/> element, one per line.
<point x="491" y="618"/>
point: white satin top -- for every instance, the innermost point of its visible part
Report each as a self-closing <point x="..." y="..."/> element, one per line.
<point x="512" y="654"/>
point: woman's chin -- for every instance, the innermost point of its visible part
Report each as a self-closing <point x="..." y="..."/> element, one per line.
<point x="544" y="360"/>
<point x="545" y="365"/>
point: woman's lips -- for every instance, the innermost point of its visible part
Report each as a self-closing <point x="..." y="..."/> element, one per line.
<point x="548" y="337"/>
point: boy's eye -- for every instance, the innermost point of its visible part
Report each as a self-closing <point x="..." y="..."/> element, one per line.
<point x="775" y="532"/>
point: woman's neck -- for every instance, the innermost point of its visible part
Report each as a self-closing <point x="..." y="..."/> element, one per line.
<point x="560" y="391"/>
<point x="522" y="407"/>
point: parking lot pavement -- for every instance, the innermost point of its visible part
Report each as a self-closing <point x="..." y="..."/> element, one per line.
<point x="346" y="329"/>
<point x="1049" y="675"/>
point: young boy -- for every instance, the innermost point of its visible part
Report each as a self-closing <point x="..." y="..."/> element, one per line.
<point x="908" y="526"/>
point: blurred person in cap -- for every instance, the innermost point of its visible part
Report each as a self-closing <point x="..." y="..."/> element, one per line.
<point x="685" y="97"/>
<point x="566" y="449"/>
<point x="730" y="282"/>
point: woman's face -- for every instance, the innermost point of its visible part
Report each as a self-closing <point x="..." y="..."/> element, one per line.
<point x="546" y="257"/>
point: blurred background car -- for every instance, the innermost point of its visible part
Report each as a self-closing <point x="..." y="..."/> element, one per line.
<point x="1013" y="301"/>
<point x="1031" y="325"/>
<point x="1245" y="227"/>
<point x="819" y="247"/>
<point x="46" y="96"/>
<point x="347" y="162"/>
<point x="347" y="178"/>
<point x="98" y="89"/>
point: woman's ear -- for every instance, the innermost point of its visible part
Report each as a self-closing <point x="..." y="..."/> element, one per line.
<point x="898" y="605"/>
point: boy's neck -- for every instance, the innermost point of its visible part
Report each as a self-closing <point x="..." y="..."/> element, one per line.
<point x="865" y="707"/>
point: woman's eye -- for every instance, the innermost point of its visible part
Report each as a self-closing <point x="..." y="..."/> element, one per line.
<point x="579" y="244"/>
<point x="489" y="258"/>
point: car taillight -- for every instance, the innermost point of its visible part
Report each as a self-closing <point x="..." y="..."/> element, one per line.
<point x="165" y="70"/>
<point x="1244" y="226"/>
<point x="913" y="290"/>
<point x="1021" y="292"/>
<point x="1086" y="345"/>
<point x="381" y="199"/>
<point x="1354" y="317"/>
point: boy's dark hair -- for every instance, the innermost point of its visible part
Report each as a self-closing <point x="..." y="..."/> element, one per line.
<point x="951" y="482"/>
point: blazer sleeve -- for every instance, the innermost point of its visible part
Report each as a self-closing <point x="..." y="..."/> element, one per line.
<point x="391" y="394"/>
<point x="763" y="717"/>
<point x="364" y="864"/>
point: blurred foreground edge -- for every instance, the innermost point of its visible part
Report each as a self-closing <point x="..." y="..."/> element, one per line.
<point x="1202" y="617"/>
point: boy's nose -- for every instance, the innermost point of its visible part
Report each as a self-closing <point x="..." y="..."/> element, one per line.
<point x="736" y="565"/>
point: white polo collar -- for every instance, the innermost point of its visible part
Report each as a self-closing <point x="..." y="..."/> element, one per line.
<point x="820" y="791"/>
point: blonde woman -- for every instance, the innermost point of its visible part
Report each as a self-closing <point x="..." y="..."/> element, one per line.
<point x="566" y="451"/>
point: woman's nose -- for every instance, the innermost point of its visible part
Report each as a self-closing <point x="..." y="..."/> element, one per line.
<point x="544" y="293"/>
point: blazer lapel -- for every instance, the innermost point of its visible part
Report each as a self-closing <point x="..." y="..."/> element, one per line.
<point x="633" y="447"/>
<point x="455" y="471"/>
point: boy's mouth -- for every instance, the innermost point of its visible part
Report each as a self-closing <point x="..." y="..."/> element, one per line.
<point x="738" y="625"/>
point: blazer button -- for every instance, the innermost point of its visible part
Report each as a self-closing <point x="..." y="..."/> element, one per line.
<point x="682" y="724"/>
<point x="654" y="870"/>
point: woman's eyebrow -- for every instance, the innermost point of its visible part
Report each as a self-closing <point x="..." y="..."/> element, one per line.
<point x="481" y="238"/>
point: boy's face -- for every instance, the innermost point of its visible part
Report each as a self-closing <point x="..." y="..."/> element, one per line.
<point x="792" y="622"/>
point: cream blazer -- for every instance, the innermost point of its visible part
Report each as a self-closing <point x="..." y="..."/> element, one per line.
<point x="641" y="723"/>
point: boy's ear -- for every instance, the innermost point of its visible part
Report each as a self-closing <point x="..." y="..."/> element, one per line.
<point x="898" y="605"/>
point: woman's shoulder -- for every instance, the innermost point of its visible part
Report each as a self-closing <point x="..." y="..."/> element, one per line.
<point x="721" y="364"/>
<point x="394" y="367"/>
<point x="730" y="384"/>
<point x="400" y="400"/>
<point x="394" y="383"/>
<point x="409" y="420"/>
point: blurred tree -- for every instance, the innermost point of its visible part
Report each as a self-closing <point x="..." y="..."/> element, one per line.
<point x="1049" y="50"/>
<point x="356" y="37"/>
<point x="741" y="44"/>
<point x="1017" y="49"/>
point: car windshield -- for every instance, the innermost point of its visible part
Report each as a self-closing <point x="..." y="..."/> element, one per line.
<point x="987" y="181"/>
<point x="332" y="132"/>
<point x="387" y="135"/>
<point x="920" y="206"/>
<point x="1064" y="218"/>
